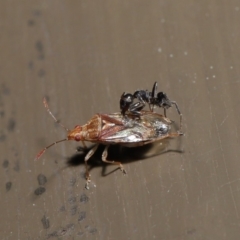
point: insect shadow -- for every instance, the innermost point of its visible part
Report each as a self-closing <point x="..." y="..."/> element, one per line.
<point x="121" y="154"/>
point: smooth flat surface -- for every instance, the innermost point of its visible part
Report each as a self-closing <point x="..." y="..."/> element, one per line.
<point x="83" y="55"/>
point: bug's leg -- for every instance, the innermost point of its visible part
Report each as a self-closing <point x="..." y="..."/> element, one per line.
<point x="180" y="114"/>
<point x="82" y="148"/>
<point x="84" y="145"/>
<point x="104" y="156"/>
<point x="169" y="135"/>
<point x="90" y="153"/>
<point x="175" y="134"/>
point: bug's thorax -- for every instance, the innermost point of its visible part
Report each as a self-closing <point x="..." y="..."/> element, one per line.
<point x="88" y="132"/>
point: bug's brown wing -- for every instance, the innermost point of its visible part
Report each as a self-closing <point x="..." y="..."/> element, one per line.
<point x="122" y="130"/>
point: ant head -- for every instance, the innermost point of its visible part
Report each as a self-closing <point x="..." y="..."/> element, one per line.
<point x="161" y="96"/>
<point x="163" y="100"/>
<point x="126" y="100"/>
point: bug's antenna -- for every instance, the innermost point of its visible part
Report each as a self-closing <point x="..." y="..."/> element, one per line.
<point x="65" y="139"/>
<point x="51" y="114"/>
<point x="44" y="150"/>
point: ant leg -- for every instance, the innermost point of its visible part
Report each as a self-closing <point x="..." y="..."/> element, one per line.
<point x="90" y="153"/>
<point x="151" y="106"/>
<point x="180" y="114"/>
<point x="104" y="156"/>
<point x="165" y="112"/>
<point x="135" y="108"/>
<point x="165" y="115"/>
<point x="153" y="97"/>
<point x="126" y="101"/>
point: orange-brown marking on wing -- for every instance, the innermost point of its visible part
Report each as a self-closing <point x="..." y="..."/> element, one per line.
<point x="110" y="126"/>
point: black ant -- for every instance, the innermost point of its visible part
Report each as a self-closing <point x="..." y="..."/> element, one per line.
<point x="151" y="98"/>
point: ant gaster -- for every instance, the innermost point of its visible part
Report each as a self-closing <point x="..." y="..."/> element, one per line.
<point x="151" y="98"/>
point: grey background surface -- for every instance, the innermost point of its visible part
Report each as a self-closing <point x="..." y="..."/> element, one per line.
<point x="82" y="55"/>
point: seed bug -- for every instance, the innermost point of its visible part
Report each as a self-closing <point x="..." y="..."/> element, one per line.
<point x="151" y="98"/>
<point x="109" y="129"/>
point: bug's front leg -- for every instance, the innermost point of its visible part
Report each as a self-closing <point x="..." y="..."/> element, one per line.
<point x="90" y="153"/>
<point x="104" y="156"/>
<point x="82" y="148"/>
<point x="84" y="145"/>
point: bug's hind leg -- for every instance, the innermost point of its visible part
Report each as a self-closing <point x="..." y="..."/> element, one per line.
<point x="90" y="153"/>
<point x="104" y="156"/>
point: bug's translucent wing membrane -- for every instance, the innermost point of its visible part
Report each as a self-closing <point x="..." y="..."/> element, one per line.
<point x="133" y="131"/>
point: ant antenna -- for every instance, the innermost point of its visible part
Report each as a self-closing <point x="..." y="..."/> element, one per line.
<point x="180" y="114"/>
<point x="56" y="121"/>
<point x="153" y="96"/>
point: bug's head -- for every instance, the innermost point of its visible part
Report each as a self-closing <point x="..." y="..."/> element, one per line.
<point x="75" y="134"/>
